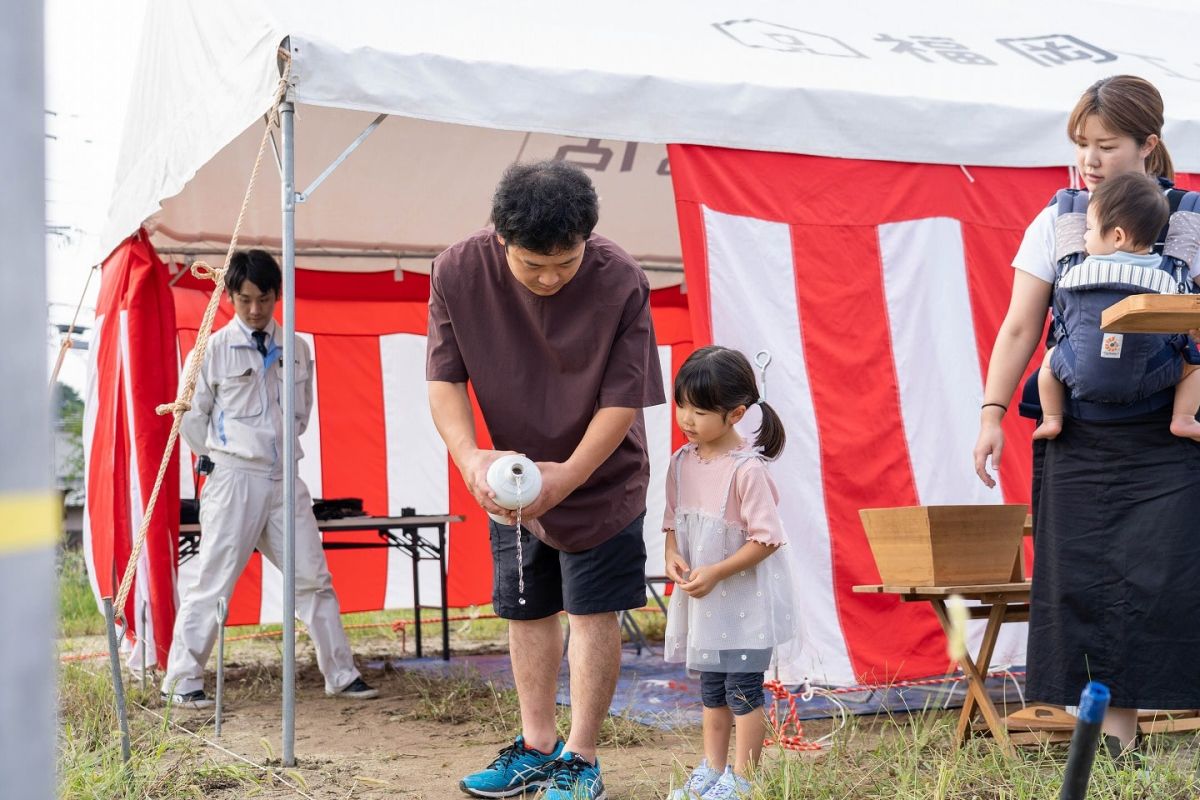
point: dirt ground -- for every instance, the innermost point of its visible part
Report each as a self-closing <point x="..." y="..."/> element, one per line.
<point x="383" y="748"/>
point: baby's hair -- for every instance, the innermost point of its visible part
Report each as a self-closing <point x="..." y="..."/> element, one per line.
<point x="719" y="379"/>
<point x="1133" y="202"/>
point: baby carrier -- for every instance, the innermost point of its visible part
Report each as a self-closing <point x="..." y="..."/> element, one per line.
<point x="1112" y="375"/>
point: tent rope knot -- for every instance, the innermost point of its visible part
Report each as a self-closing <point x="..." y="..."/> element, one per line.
<point x="178" y="408"/>
<point x="202" y="271"/>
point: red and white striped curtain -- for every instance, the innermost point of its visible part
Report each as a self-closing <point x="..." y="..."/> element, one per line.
<point x="878" y="289"/>
<point x="370" y="436"/>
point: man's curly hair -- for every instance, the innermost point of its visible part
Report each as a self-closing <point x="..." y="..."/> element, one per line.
<point x="545" y="207"/>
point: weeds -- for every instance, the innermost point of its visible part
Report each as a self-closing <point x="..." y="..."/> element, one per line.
<point x="163" y="765"/>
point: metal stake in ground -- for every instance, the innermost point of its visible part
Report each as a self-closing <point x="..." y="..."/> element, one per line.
<point x="222" y="613"/>
<point x="114" y="660"/>
<point x="142" y="641"/>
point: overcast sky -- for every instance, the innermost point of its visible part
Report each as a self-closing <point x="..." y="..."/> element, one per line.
<point x="90" y="54"/>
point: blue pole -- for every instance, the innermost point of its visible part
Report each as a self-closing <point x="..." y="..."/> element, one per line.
<point x="1093" y="704"/>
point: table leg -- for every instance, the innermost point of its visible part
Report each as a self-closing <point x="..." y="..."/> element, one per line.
<point x="991" y="633"/>
<point x="445" y="597"/>
<point x="415" y="551"/>
<point x="976" y="690"/>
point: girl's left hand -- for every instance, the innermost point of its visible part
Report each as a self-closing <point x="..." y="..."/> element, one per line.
<point x="701" y="581"/>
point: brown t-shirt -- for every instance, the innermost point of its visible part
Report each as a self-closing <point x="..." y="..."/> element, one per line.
<point x="542" y="366"/>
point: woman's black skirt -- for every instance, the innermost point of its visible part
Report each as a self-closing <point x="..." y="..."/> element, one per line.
<point x="1116" y="571"/>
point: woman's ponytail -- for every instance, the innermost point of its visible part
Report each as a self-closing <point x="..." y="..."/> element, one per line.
<point x="1158" y="163"/>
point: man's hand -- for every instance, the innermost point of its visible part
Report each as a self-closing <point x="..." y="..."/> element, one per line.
<point x="558" y="481"/>
<point x="474" y="471"/>
<point x="701" y="581"/>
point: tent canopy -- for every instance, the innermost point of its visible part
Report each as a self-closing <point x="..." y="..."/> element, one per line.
<point x="988" y="85"/>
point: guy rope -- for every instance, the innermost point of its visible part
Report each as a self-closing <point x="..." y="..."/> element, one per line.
<point x="183" y="400"/>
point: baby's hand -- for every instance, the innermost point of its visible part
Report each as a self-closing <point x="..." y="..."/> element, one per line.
<point x="701" y="581"/>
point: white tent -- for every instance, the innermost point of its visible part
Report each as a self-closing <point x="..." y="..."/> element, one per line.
<point x="477" y="85"/>
<point x="932" y="82"/>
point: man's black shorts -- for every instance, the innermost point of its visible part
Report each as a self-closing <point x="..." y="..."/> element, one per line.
<point x="608" y="577"/>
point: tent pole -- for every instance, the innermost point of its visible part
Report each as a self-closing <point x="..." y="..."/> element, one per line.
<point x="286" y="121"/>
<point x="30" y="509"/>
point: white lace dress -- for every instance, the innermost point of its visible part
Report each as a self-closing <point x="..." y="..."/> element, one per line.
<point x="736" y="626"/>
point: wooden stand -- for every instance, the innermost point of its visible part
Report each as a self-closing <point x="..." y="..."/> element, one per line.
<point x="998" y="603"/>
<point x="1152" y="313"/>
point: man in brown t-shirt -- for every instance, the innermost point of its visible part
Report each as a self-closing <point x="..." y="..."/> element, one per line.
<point x="550" y="324"/>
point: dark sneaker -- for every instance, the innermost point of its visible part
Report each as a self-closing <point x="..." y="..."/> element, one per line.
<point x="515" y="770"/>
<point x="195" y="701"/>
<point x="357" y="690"/>
<point x="573" y="778"/>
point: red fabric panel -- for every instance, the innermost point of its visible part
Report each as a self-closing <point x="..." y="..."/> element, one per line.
<point x="469" y="579"/>
<point x="152" y="371"/>
<point x="245" y="604"/>
<point x="354" y="459"/>
<point x="990" y="288"/>
<point x="856" y="397"/>
<point x="804" y="190"/>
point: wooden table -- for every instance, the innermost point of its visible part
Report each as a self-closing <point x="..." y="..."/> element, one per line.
<point x="998" y="603"/>
<point x="403" y="533"/>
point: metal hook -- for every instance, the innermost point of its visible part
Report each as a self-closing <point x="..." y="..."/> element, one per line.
<point x="762" y="359"/>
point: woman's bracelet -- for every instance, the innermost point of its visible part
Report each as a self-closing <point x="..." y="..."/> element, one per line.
<point x="998" y="405"/>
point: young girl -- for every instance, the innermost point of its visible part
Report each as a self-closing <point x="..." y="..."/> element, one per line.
<point x="732" y="602"/>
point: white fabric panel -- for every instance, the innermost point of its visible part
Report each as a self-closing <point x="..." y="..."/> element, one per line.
<point x="936" y="360"/>
<point x="187" y="475"/>
<point x="310" y="441"/>
<point x="270" y="608"/>
<point x="417" y="461"/>
<point x="937" y="367"/>
<point x="753" y="301"/>
<point x="90" y="404"/>
<point x="660" y="420"/>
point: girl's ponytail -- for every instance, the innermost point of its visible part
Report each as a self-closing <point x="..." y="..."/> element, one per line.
<point x="770" y="437"/>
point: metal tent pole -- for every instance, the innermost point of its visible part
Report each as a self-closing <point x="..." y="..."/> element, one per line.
<point x="29" y="508"/>
<point x="287" y="134"/>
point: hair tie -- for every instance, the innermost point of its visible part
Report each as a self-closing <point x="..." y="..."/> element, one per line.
<point x="760" y="401"/>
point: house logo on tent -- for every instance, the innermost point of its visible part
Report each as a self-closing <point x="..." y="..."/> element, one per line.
<point x="758" y="33"/>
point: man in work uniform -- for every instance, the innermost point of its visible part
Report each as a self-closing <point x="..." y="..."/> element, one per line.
<point x="236" y="419"/>
<point x="551" y="325"/>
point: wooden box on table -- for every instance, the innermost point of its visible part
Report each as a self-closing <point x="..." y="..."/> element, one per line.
<point x="945" y="545"/>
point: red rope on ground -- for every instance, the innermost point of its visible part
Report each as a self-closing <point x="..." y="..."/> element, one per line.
<point x="789" y="741"/>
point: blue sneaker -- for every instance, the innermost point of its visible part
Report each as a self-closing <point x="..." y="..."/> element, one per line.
<point x="700" y="781"/>
<point x="573" y="778"/>
<point x="516" y="770"/>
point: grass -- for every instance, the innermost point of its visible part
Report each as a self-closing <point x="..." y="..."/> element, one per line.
<point x="78" y="615"/>
<point x="902" y="757"/>
<point x="466" y="698"/>
<point x="163" y="764"/>
<point x="912" y="757"/>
